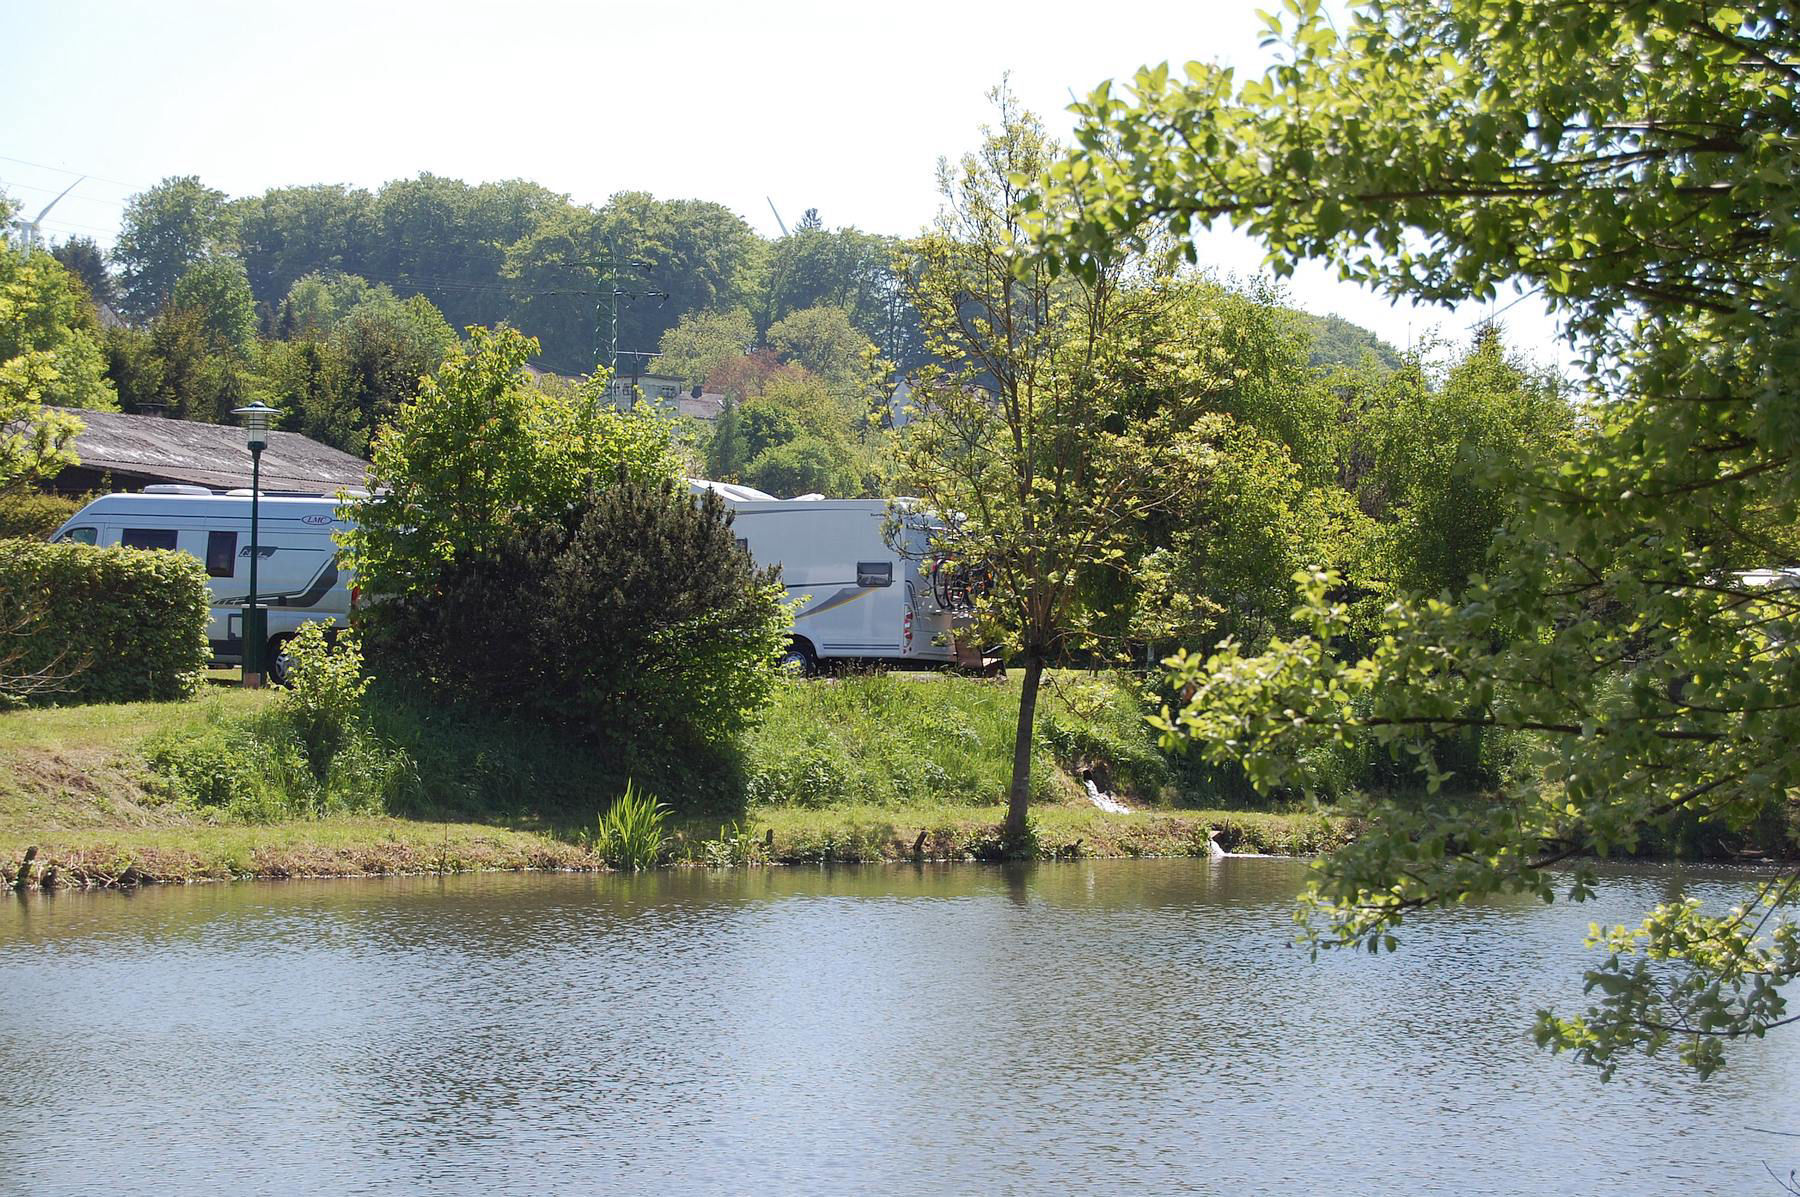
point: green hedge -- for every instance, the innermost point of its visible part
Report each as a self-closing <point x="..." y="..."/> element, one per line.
<point x="35" y="516"/>
<point x="133" y="620"/>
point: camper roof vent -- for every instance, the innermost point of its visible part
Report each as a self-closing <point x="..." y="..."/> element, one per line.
<point x="176" y="488"/>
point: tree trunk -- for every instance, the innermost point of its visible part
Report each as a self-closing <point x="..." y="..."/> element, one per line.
<point x="1019" y="797"/>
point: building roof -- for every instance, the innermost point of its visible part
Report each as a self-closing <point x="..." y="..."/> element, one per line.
<point x="704" y="406"/>
<point x="213" y="455"/>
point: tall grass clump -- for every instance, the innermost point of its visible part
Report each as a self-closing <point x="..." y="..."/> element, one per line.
<point x="631" y="830"/>
<point x="310" y="753"/>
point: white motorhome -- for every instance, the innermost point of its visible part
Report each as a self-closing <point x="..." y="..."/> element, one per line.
<point x="858" y="599"/>
<point x="298" y="577"/>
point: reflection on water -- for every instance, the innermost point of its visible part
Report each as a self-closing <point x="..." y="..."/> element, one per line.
<point x="1097" y="1026"/>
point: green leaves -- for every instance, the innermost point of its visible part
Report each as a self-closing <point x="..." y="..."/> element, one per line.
<point x="1634" y="165"/>
<point x="49" y="354"/>
<point x="124" y="625"/>
<point x="482" y="454"/>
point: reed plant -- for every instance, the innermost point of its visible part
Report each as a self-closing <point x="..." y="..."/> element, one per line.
<point x="631" y="830"/>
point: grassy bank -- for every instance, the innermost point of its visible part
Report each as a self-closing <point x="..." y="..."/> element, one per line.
<point x="862" y="769"/>
<point x="366" y="846"/>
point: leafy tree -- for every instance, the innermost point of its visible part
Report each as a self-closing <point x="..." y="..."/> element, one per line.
<point x="1630" y="163"/>
<point x="794" y="436"/>
<point x="308" y="381"/>
<point x="763" y="426"/>
<point x="480" y="457"/>
<point x="1028" y="433"/>
<point x="723" y="452"/>
<point x="700" y="342"/>
<point x="34" y="443"/>
<point x="132" y="366"/>
<point x="698" y="255"/>
<point x="385" y="346"/>
<point x="804" y="464"/>
<point x="1221" y="564"/>
<point x="823" y="340"/>
<point x="288" y="233"/>
<point x="49" y="338"/>
<point x="447" y="240"/>
<point x="177" y="366"/>
<point x="848" y="269"/>
<point x="82" y="258"/>
<point x="741" y="377"/>
<point x="1266" y="378"/>
<point x="218" y="292"/>
<point x="1337" y="342"/>
<point x="557" y="276"/>
<point x="316" y="302"/>
<point x="165" y="230"/>
<point x="1440" y="456"/>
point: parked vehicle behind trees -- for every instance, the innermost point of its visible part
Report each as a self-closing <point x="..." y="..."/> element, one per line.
<point x="861" y="583"/>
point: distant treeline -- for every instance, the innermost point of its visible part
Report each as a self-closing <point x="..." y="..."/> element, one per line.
<point x="514" y="252"/>
<point x="519" y="253"/>
<point x="330" y="302"/>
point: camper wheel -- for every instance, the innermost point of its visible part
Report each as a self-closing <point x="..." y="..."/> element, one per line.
<point x="278" y="661"/>
<point x="799" y="659"/>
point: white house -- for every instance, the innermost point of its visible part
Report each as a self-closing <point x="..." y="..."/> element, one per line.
<point x="666" y="392"/>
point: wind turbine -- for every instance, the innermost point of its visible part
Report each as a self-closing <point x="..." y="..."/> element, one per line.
<point x="30" y="228"/>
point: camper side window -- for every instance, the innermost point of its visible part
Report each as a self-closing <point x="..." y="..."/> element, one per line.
<point x="221" y="554"/>
<point x="148" y="538"/>
<point x="874" y="573"/>
<point x="77" y="535"/>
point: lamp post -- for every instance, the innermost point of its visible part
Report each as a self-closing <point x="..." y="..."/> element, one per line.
<point x="256" y="418"/>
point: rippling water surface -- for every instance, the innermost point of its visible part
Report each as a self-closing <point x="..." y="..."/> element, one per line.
<point x="1096" y="1027"/>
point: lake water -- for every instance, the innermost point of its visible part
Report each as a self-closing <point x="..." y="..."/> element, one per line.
<point x="1088" y="1027"/>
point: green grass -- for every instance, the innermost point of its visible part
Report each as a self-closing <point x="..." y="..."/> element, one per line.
<point x="794" y="835"/>
<point x="348" y="846"/>
<point x="840" y="770"/>
<point x="887" y="740"/>
<point x="108" y="726"/>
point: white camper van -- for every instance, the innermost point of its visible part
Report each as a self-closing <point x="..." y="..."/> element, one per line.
<point x="297" y="574"/>
<point x="859" y="599"/>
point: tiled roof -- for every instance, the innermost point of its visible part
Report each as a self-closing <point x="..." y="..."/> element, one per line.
<point x="211" y="455"/>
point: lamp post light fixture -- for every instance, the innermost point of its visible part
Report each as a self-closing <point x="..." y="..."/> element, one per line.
<point x="256" y="419"/>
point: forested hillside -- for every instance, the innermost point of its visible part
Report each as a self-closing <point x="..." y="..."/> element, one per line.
<point x="330" y="302"/>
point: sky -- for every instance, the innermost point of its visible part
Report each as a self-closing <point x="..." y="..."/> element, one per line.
<point x="841" y="107"/>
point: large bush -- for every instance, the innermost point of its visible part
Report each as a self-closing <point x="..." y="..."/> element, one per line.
<point x="111" y="625"/>
<point x="481" y="458"/>
<point x="644" y="626"/>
